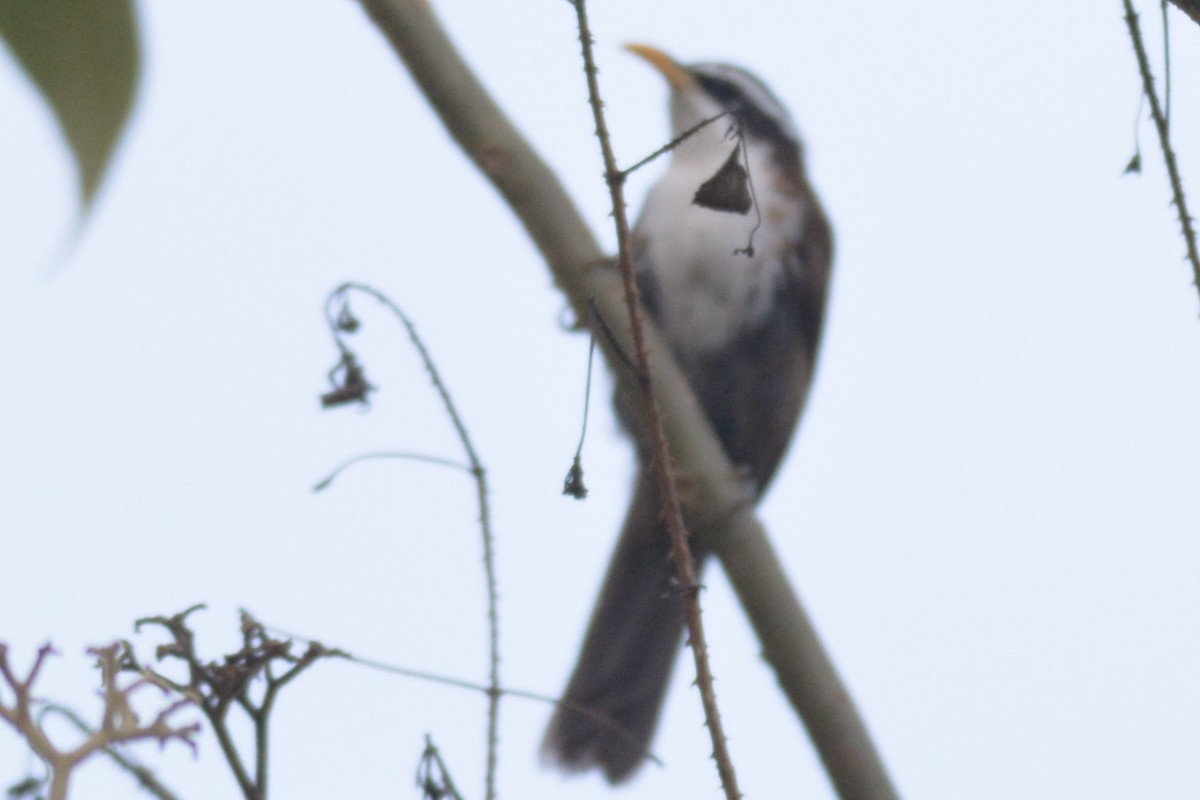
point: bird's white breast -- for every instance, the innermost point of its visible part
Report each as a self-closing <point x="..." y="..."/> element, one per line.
<point x="706" y="293"/>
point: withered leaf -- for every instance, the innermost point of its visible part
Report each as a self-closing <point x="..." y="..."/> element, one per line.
<point x="728" y="189"/>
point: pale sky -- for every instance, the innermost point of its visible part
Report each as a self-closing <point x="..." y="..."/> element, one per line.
<point x="990" y="509"/>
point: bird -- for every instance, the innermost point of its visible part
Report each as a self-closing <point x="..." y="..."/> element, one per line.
<point x="732" y="255"/>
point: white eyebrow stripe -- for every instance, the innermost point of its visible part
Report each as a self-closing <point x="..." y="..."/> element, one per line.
<point x="754" y="90"/>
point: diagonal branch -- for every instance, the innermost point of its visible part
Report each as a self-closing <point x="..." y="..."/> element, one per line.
<point x="720" y="515"/>
<point x="1162" y="126"/>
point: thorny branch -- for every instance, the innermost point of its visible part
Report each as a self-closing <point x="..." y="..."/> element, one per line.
<point x="459" y="683"/>
<point x="344" y="322"/>
<point x="1162" y="126"/>
<point x="681" y="553"/>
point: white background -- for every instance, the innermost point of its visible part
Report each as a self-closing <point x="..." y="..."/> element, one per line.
<point x="991" y="509"/>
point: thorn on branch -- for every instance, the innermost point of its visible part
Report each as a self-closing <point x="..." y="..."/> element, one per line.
<point x="1162" y="126"/>
<point x="476" y="468"/>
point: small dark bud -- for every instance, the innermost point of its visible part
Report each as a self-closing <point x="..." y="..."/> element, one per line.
<point x="573" y="485"/>
<point x="1134" y="165"/>
<point x="346" y="321"/>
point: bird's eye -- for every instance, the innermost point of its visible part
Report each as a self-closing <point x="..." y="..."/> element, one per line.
<point x="723" y="92"/>
<point x="753" y="119"/>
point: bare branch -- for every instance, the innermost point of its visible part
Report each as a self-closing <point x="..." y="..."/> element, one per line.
<point x="216" y="687"/>
<point x="681" y="552"/>
<point x="1162" y="126"/>
<point x="487" y="137"/>
<point x="459" y="683"/>
<point x="344" y="322"/>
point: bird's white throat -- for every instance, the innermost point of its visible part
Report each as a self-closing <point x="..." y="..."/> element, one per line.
<point x="708" y="294"/>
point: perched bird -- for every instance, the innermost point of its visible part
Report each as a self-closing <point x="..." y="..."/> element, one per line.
<point x="732" y="252"/>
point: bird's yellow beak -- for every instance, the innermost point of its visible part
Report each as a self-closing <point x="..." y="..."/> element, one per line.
<point x="676" y="75"/>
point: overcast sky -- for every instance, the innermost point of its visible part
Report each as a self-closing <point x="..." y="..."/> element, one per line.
<point x="991" y="508"/>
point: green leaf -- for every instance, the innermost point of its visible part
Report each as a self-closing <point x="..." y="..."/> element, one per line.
<point x="83" y="56"/>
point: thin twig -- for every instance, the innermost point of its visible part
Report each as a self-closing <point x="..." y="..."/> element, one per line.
<point x="481" y="488"/>
<point x="1166" y="31"/>
<point x="397" y="454"/>
<point x="681" y="553"/>
<point x="671" y="145"/>
<point x="1164" y="140"/>
<point x="460" y="683"/>
<point x="587" y="397"/>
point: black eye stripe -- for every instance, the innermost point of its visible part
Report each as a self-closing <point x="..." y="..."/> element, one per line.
<point x="753" y="119"/>
<point x="721" y="90"/>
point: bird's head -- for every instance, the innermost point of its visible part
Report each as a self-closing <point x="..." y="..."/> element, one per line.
<point x="705" y="90"/>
